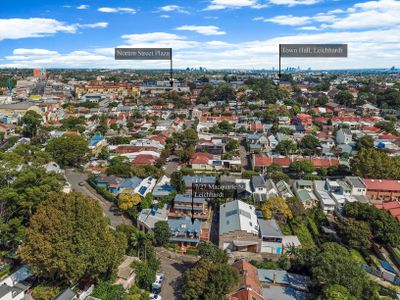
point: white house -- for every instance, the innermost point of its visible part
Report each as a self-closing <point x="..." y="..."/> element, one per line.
<point x="344" y="136"/>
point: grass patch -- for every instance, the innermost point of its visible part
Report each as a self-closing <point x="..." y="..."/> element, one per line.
<point x="286" y="229"/>
<point x="357" y="256"/>
<point x="304" y="235"/>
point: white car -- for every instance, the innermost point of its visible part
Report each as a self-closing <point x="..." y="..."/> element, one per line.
<point x="155" y="297"/>
<point x="156" y="286"/>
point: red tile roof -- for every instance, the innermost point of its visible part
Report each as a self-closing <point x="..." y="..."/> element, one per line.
<point x="249" y="275"/>
<point x="201" y="158"/>
<point x="388" y="137"/>
<point x="264" y="161"/>
<point x="144" y="159"/>
<point x="395" y="212"/>
<point x="383" y="185"/>
<point x="390" y="205"/>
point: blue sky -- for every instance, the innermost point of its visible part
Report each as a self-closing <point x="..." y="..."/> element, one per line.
<point x="210" y="33"/>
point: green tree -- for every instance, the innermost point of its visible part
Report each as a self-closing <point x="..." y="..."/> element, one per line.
<point x="231" y="145"/>
<point x="301" y="167"/>
<point x="385" y="228"/>
<point x="68" y="150"/>
<point x="209" y="280"/>
<point x="310" y="144"/>
<point x="210" y="251"/>
<point x="31" y="122"/>
<point x="334" y="265"/>
<point x="107" y="290"/>
<point x="161" y="233"/>
<point x="177" y="182"/>
<point x="104" y="153"/>
<point x="64" y="239"/>
<point x="366" y="141"/>
<point x="344" y="98"/>
<point x="336" y="292"/>
<point x="286" y="147"/>
<point x="372" y="163"/>
<point x="119" y="166"/>
<point x="356" y="234"/>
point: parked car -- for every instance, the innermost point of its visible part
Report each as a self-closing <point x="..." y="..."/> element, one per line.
<point x="155" y="297"/>
<point x="156" y="285"/>
<point x="82" y="183"/>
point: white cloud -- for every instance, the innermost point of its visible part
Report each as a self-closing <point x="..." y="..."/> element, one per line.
<point x="286" y="20"/>
<point x="173" y="8"/>
<point x="234" y="4"/>
<point x="372" y="14"/>
<point x="82" y="6"/>
<point x="126" y="10"/>
<point x="23" y="51"/>
<point x="367" y="49"/>
<point x="165" y="16"/>
<point x="204" y="30"/>
<point x="309" y="28"/>
<point x="294" y="2"/>
<point x="17" y="28"/>
<point x="93" y="25"/>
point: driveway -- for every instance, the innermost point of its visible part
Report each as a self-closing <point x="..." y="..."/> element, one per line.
<point x="109" y="209"/>
<point x="243" y="156"/>
<point x="173" y="266"/>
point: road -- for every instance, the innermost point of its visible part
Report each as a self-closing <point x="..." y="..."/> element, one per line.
<point x="173" y="266"/>
<point x="74" y="178"/>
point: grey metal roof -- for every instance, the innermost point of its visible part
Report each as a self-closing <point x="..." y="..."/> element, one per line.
<point x="151" y="216"/>
<point x="67" y="294"/>
<point x="258" y="181"/>
<point x="356" y="182"/>
<point x="269" y="228"/>
<point x="187" y="198"/>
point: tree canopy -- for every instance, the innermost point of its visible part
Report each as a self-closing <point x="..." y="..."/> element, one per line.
<point x="68" y="150"/>
<point x="64" y="239"/>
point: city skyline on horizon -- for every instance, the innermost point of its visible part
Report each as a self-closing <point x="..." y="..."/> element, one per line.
<point x="214" y="34"/>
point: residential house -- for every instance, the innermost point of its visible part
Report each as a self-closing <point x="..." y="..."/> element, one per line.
<point x="184" y="204"/>
<point x="326" y="202"/>
<point x="380" y="190"/>
<point x="148" y="217"/>
<point x="284" y="189"/>
<point x="5" y="131"/>
<point x="145" y="186"/>
<point x="185" y="233"/>
<point x="209" y="147"/>
<point x="125" y="274"/>
<point x="282" y="285"/>
<point x="271" y="237"/>
<point x="162" y="188"/>
<point x="67" y="294"/>
<point x="96" y="143"/>
<point x="15" y="286"/>
<point x="263" y="189"/>
<point x="238" y="227"/>
<point x="344" y="136"/>
<point x="249" y="286"/>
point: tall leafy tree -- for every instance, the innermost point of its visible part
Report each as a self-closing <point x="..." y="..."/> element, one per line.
<point x="68" y="150"/>
<point x="161" y="233"/>
<point x="334" y="265"/>
<point x="31" y="122"/>
<point x="69" y="239"/>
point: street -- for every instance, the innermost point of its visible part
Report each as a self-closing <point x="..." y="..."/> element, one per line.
<point x="74" y="178"/>
<point x="173" y="265"/>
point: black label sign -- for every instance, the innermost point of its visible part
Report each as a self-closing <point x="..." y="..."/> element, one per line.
<point x="143" y="53"/>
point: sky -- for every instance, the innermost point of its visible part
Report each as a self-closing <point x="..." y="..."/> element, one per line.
<point x="215" y="34"/>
